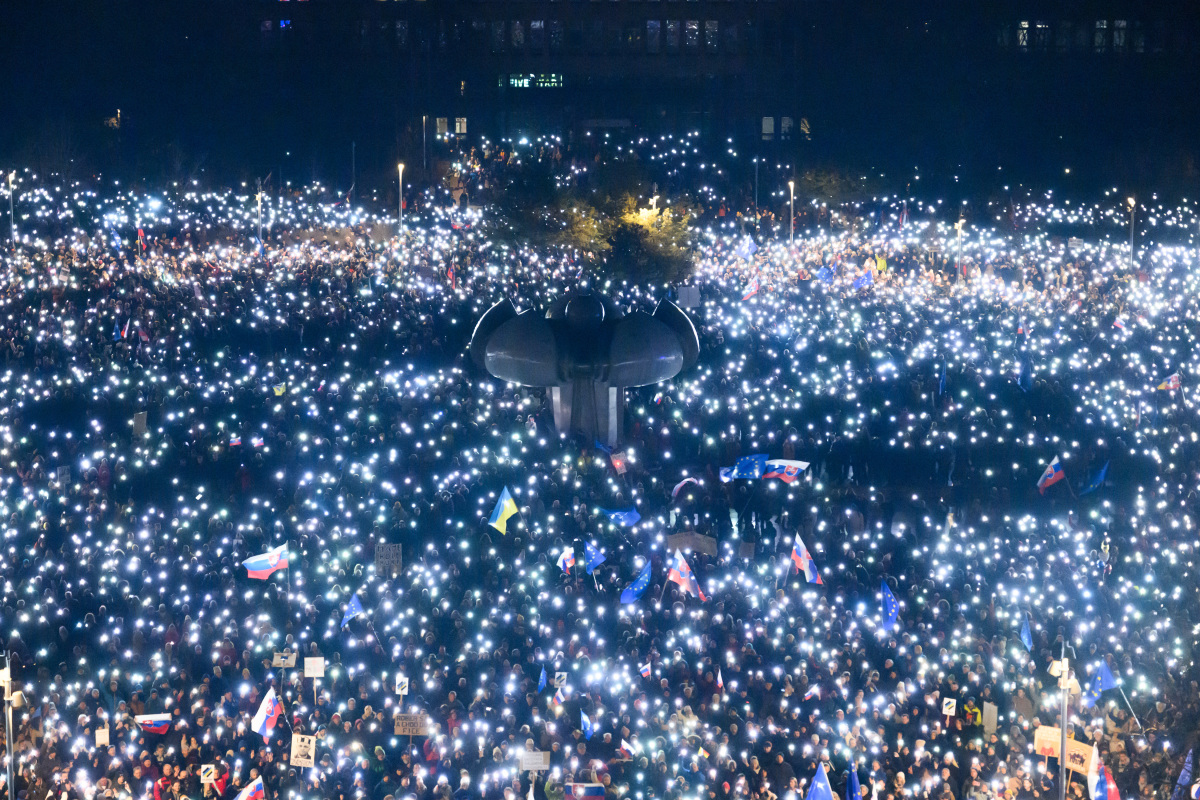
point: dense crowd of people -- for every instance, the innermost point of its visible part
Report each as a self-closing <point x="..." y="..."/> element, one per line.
<point x="172" y="406"/>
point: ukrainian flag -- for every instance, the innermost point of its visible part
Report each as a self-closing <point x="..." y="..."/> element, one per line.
<point x="505" y="508"/>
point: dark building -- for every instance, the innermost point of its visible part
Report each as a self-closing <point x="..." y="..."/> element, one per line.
<point x="1105" y="85"/>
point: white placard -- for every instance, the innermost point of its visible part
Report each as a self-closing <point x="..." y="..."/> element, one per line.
<point x="389" y="558"/>
<point x="304" y="749"/>
<point x="560" y="680"/>
<point x="401" y="684"/>
<point x="314" y="667"/>
<point x="949" y="705"/>
<point x="208" y="773"/>
<point x="411" y="724"/>
<point x="283" y="660"/>
<point x="535" y="761"/>
<point x="101" y="737"/>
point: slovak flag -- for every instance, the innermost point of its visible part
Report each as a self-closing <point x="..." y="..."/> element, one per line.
<point x="1172" y="383"/>
<point x="804" y="562"/>
<point x="813" y="691"/>
<point x="645" y="670"/>
<point x="752" y="289"/>
<point x="786" y="471"/>
<point x="720" y="680"/>
<point x="1119" y="322"/>
<point x="1053" y="474"/>
<point x="1101" y="785"/>
<point x="154" y="723"/>
<point x="261" y="566"/>
<point x="567" y="560"/>
<point x="559" y="697"/>
<point x="254" y="791"/>
<point x="268" y="714"/>
<point x="682" y="574"/>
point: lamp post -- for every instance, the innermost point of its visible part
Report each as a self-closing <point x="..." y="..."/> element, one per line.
<point x="1132" y="211"/>
<point x="11" y="700"/>
<point x="12" y="220"/>
<point x="958" y="226"/>
<point x="260" y="239"/>
<point x="1069" y="685"/>
<point x="400" y="204"/>
<point x="791" y="213"/>
<point x="756" y="194"/>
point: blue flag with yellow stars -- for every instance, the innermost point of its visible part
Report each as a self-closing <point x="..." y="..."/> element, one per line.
<point x="820" y="788"/>
<point x="1103" y="681"/>
<point x="890" y="608"/>
<point x="634" y="591"/>
<point x="353" y="609"/>
<point x="594" y="557"/>
<point x="750" y="466"/>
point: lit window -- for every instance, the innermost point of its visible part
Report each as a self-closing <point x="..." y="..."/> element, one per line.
<point x="1120" y="28"/>
<point x="1023" y="35"/>
<point x="442" y="126"/>
<point x="1100" y="40"/>
<point x="691" y="35"/>
<point x="712" y="35"/>
<point x="768" y="128"/>
<point x="460" y="126"/>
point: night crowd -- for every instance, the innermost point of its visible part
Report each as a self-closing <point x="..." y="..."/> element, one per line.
<point x="315" y="394"/>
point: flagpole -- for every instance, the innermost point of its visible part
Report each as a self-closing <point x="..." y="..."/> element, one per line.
<point x="1064" y="681"/>
<point x="1121" y="689"/>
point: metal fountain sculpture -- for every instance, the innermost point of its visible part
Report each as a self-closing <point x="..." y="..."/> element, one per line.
<point x="586" y="352"/>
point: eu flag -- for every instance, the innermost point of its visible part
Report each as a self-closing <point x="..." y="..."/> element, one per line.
<point x="1026" y="636"/>
<point x="588" y="730"/>
<point x="594" y="557"/>
<point x="820" y="788"/>
<point x="853" y="789"/>
<point x="623" y="518"/>
<point x="751" y="467"/>
<point x="353" y="609"/>
<point x="1102" y="682"/>
<point x="1098" y="481"/>
<point x="825" y="275"/>
<point x="867" y="279"/>
<point x="890" y="608"/>
<point x="542" y="680"/>
<point x="634" y="591"/>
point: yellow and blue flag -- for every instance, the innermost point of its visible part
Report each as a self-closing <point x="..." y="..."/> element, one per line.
<point x="505" y="508"/>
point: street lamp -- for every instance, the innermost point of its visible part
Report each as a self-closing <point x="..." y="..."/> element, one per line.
<point x="400" y="167"/>
<point x="791" y="213"/>
<point x="756" y="194"/>
<point x="11" y="700"/>
<point x="1132" y="211"/>
<point x="1069" y="686"/>
<point x="12" y="220"/>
